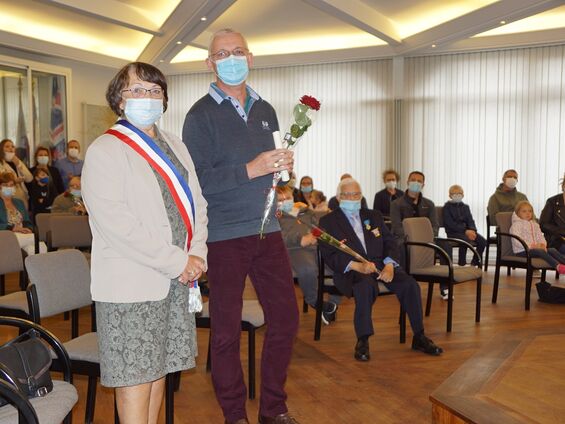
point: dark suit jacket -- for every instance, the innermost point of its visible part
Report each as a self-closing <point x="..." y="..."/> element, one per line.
<point x="378" y="239"/>
<point x="552" y="221"/>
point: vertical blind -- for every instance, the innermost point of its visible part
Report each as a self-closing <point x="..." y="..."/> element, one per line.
<point x="464" y="119"/>
<point x="468" y="117"/>
<point x="351" y="132"/>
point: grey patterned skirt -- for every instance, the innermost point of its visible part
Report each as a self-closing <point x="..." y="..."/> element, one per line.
<point x="142" y="342"/>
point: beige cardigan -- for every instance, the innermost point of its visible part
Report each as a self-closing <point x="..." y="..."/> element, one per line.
<point x="133" y="258"/>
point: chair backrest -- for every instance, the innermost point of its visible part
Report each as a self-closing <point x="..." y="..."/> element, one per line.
<point x="69" y="231"/>
<point x="62" y="281"/>
<point x="42" y="221"/>
<point x="503" y="222"/>
<point x="10" y="253"/>
<point x="439" y="216"/>
<point x="419" y="229"/>
<point x="489" y="224"/>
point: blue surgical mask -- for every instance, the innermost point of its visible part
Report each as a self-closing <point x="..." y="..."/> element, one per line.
<point x="8" y="191"/>
<point x="415" y="186"/>
<point x="76" y="193"/>
<point x="143" y="112"/>
<point x="350" y="206"/>
<point x="232" y="70"/>
<point x="286" y="205"/>
<point x="306" y="189"/>
<point x="44" y="180"/>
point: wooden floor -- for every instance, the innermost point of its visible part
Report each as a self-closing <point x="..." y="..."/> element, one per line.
<point x="326" y="385"/>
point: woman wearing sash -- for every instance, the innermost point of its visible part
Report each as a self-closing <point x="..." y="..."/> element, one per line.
<point x="148" y="221"/>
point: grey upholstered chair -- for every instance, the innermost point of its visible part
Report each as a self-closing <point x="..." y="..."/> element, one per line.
<point x="68" y="231"/>
<point x="60" y="282"/>
<point x="13" y="304"/>
<point x="506" y="257"/>
<point x="420" y="258"/>
<point x="53" y="408"/>
<point x="252" y="318"/>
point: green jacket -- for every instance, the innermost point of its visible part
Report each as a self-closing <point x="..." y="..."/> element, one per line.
<point x="503" y="201"/>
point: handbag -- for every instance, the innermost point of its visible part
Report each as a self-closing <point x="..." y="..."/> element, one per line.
<point x="26" y="361"/>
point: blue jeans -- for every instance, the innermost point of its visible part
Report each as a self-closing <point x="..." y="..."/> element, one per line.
<point x="552" y="256"/>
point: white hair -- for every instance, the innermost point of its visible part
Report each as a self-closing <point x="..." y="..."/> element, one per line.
<point x="221" y="32"/>
<point x="344" y="182"/>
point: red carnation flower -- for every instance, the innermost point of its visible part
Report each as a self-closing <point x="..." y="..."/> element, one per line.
<point x="310" y="101"/>
<point x="316" y="232"/>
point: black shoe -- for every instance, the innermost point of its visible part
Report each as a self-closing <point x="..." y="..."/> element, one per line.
<point x="362" y="350"/>
<point x="328" y="312"/>
<point x="426" y="345"/>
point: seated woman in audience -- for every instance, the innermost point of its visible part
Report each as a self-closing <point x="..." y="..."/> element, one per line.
<point x="14" y="216"/>
<point x="301" y="246"/>
<point x="70" y="201"/>
<point x="459" y="223"/>
<point x="43" y="160"/>
<point x="306" y="186"/>
<point x="384" y="197"/>
<point x="9" y="162"/>
<point x="552" y="220"/>
<point x="318" y="201"/>
<point x="41" y="192"/>
<point x="524" y="226"/>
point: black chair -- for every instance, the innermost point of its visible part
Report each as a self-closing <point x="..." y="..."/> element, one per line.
<point x="53" y="408"/>
<point x="252" y="318"/>
<point x="325" y="285"/>
<point x="491" y="239"/>
<point x="506" y="257"/>
<point x="420" y="258"/>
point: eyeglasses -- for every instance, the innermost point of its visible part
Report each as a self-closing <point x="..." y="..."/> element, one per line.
<point x="137" y="92"/>
<point x="350" y="194"/>
<point x="223" y="54"/>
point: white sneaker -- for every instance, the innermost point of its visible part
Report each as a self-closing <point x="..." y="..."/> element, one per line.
<point x="444" y="293"/>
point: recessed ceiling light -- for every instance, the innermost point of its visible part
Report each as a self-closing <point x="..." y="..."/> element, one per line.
<point x="161" y="61"/>
<point x="433" y="46"/>
<point x="179" y="42"/>
<point x="203" y="18"/>
<point x="502" y="22"/>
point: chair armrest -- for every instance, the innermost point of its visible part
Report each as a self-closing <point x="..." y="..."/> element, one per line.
<point x="14" y="397"/>
<point x="524" y="244"/>
<point x="465" y="244"/>
<point x="436" y="248"/>
<point x="46" y="335"/>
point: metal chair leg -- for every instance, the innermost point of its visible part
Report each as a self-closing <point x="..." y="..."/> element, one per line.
<point x="529" y="277"/>
<point x="169" y="399"/>
<point x="402" y="321"/>
<point x="478" y="301"/>
<point x="90" y="400"/>
<point x="495" y="286"/>
<point x="449" y="307"/>
<point x="429" y="299"/>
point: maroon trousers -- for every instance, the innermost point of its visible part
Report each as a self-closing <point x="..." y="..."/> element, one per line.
<point x="267" y="264"/>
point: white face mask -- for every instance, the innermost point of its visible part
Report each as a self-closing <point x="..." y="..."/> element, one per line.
<point x="143" y="112"/>
<point x="9" y="156"/>
<point x="8" y="191"/>
<point x="511" y="182"/>
<point x="42" y="160"/>
<point x="73" y="152"/>
<point x="456" y="198"/>
<point x="390" y="185"/>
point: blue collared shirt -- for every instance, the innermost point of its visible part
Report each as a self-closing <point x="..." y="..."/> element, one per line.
<point x="68" y="169"/>
<point x="242" y="110"/>
<point x="355" y="221"/>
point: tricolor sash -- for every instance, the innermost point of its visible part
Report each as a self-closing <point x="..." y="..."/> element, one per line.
<point x="159" y="161"/>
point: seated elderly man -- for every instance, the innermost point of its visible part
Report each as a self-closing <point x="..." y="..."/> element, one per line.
<point x="333" y="204"/>
<point x="506" y="197"/>
<point x="365" y="232"/>
<point x="70" y="201"/>
<point x="301" y="246"/>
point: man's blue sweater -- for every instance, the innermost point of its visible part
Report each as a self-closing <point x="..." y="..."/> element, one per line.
<point x="221" y="143"/>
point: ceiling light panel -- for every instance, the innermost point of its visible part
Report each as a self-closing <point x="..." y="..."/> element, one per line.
<point x="551" y="19"/>
<point x="412" y="17"/>
<point x="61" y="26"/>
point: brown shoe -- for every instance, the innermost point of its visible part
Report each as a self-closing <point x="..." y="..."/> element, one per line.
<point x="279" y="419"/>
<point x="241" y="421"/>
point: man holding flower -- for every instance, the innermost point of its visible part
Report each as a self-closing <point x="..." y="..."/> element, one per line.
<point x="364" y="231"/>
<point x="228" y="133"/>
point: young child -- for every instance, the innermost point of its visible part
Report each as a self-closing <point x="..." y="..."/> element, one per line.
<point x="459" y="223"/>
<point x="524" y="226"/>
<point x="318" y="201"/>
<point x="41" y="192"/>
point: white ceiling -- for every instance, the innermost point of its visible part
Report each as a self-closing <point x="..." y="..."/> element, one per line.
<point x="174" y="34"/>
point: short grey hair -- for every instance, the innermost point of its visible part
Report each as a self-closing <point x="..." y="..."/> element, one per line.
<point x="344" y="182"/>
<point x="221" y="32"/>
